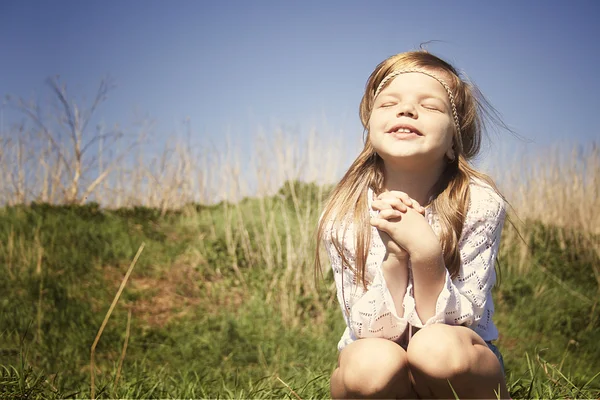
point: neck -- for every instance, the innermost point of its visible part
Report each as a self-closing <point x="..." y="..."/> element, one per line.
<point x="417" y="183"/>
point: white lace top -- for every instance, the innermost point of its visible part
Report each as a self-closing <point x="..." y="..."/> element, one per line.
<point x="465" y="300"/>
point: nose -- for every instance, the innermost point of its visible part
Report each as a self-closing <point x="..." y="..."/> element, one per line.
<point x="406" y="109"/>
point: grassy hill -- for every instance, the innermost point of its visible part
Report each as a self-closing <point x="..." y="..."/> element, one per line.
<point x="222" y="303"/>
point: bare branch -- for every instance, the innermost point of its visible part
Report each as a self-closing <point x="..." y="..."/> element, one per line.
<point x="60" y="92"/>
<point x="90" y="189"/>
<point x="34" y="115"/>
<point x="106" y="85"/>
<point x="115" y="135"/>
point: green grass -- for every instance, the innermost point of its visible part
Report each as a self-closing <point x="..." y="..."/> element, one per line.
<point x="211" y="319"/>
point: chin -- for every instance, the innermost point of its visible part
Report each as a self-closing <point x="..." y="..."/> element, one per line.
<point x="398" y="157"/>
<point x="409" y="160"/>
<point x="401" y="153"/>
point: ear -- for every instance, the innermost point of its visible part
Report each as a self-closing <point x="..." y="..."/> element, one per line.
<point x="450" y="154"/>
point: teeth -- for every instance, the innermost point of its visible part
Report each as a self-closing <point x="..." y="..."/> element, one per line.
<point x="403" y="130"/>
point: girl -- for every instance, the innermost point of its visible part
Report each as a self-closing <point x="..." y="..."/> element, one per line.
<point x="414" y="283"/>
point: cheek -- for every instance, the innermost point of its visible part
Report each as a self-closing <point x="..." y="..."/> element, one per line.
<point x="373" y="121"/>
<point x="449" y="137"/>
<point x="446" y="131"/>
<point x="378" y="117"/>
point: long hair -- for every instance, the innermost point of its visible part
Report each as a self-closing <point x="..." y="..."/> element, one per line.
<point x="348" y="202"/>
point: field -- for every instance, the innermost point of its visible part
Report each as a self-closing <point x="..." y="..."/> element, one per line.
<point x="218" y="297"/>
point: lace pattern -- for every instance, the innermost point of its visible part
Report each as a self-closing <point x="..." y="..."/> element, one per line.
<point x="466" y="300"/>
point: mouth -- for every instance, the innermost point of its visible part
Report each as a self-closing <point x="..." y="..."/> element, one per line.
<point x="404" y="129"/>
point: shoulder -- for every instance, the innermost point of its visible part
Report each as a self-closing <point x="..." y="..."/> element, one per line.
<point x="486" y="210"/>
<point x="484" y="201"/>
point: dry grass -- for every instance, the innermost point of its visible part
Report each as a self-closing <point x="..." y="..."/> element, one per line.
<point x="63" y="163"/>
<point x="173" y="294"/>
<point x="555" y="186"/>
<point x="558" y="187"/>
<point x="60" y="159"/>
<point x="106" y="318"/>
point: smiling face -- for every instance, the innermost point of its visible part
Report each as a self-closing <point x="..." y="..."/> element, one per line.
<point x="411" y="121"/>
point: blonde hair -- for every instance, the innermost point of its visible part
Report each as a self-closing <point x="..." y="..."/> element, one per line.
<point x="450" y="194"/>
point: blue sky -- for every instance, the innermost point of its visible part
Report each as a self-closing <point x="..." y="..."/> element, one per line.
<point x="233" y="66"/>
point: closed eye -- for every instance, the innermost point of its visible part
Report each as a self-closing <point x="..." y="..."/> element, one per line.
<point x="432" y="107"/>
<point x="388" y="104"/>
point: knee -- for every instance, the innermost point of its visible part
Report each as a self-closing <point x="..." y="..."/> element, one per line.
<point x="373" y="368"/>
<point x="439" y="352"/>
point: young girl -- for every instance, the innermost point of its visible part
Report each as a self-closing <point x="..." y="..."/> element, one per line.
<point x="414" y="283"/>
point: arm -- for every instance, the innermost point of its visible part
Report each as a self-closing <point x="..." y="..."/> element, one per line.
<point x="392" y="207"/>
<point x="395" y="273"/>
<point x="410" y="230"/>
<point x="429" y="276"/>
<point x="466" y="300"/>
<point x="371" y="312"/>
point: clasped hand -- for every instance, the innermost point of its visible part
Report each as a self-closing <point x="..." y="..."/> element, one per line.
<point x="401" y="223"/>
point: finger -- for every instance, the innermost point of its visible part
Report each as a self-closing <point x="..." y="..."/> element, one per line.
<point x="380" y="205"/>
<point x="418" y="207"/>
<point x="400" y="195"/>
<point x="388" y="203"/>
<point x="404" y="198"/>
<point x="381" y="224"/>
<point x="389" y="214"/>
<point x="377" y="222"/>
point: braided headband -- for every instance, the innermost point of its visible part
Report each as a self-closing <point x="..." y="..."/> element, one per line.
<point x="397" y="72"/>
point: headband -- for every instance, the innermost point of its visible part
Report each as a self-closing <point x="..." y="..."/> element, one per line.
<point x="397" y="72"/>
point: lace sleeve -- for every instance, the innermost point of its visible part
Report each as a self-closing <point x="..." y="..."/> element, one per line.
<point x="370" y="312"/>
<point x="467" y="300"/>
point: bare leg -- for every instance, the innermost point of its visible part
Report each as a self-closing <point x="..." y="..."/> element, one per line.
<point x="443" y="355"/>
<point x="372" y="368"/>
